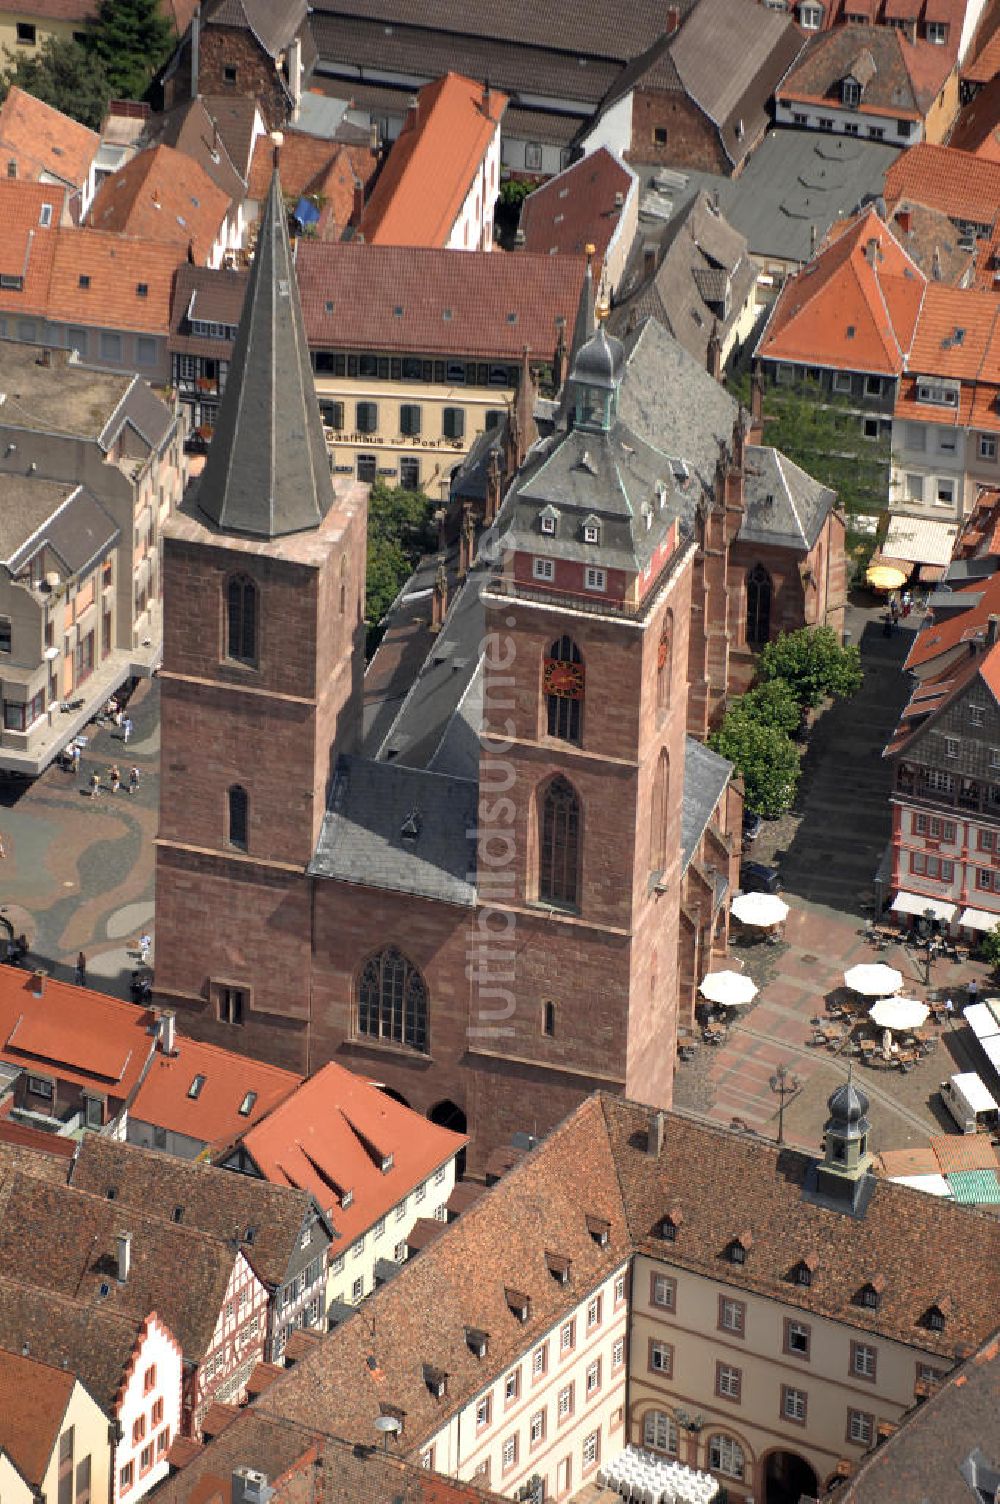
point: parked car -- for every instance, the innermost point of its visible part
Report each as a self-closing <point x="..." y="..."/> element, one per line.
<point x="757" y="877"/>
<point x="752" y="826"/>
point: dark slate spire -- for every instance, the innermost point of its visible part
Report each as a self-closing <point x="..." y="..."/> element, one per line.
<point x="267" y="471"/>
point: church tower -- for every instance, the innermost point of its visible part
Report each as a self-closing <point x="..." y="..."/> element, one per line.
<point x="843" y="1177"/>
<point x="263" y="664"/>
<point x="582" y="765"/>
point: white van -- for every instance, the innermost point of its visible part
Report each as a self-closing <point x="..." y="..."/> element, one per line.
<point x="970" y="1103"/>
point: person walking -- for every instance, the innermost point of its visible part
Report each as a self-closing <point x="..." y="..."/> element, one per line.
<point x="133" y="780"/>
<point x="115" y="778"/>
<point x="80" y="978"/>
<point x="126" y="729"/>
<point x="76" y="752"/>
<point x="145" y="941"/>
<point x="973" y="990"/>
<point x="907" y="603"/>
<point x="95" y="784"/>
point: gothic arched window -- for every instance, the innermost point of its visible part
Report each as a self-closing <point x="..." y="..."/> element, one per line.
<point x="559" y="845"/>
<point x="660" y="814"/>
<point x="241" y="620"/>
<point x="392" y="1000"/>
<point x="563" y="681"/>
<point x="237" y="833"/>
<point x="758" y="605"/>
<point x="665" y="662"/>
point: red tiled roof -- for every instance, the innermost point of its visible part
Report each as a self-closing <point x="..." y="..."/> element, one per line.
<point x="577" y="208"/>
<point x="940" y="638"/>
<point x="213" y="1116"/>
<point x="331" y="1137"/>
<point x="26" y="246"/>
<point x="977" y="129"/>
<point x="117" y="266"/>
<point x="902" y="78"/>
<point x="483" y="303"/>
<point x="33" y="1400"/>
<point x="432" y="164"/>
<point x="846" y="310"/>
<point x="305" y="162"/>
<point x="52" y="10"/>
<point x="957" y="337"/>
<point x="961" y="185"/>
<point x="162" y="195"/>
<point x="41" y="139"/>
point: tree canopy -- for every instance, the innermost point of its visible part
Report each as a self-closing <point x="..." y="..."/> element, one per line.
<point x="813" y="663"/>
<point x="63" y="74"/>
<point x="772" y="704"/>
<point x="131" y="39"/>
<point x="766" y="758"/>
<point x="400" y="530"/>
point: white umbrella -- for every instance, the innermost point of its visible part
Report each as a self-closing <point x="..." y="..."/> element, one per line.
<point x="873" y="979"/>
<point x="762" y="909"/>
<point x="899" y="1013"/>
<point x="730" y="989"/>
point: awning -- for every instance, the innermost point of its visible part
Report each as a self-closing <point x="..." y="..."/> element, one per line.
<point x="991" y="1049"/>
<point x="979" y="919"/>
<point x="982" y="1020"/>
<point x="919" y="903"/>
<point x="929" y="574"/>
<point x="932" y="1185"/>
<point x="921" y="540"/>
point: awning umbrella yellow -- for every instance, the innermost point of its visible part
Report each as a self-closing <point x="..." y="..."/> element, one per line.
<point x="885" y="577"/>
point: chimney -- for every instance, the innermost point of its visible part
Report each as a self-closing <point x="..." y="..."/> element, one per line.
<point x="812" y="240"/>
<point x="654" y="1135"/>
<point x="871" y="251"/>
<point x="295" y="75"/>
<point x="250" y="1487"/>
<point x="359" y="202"/>
<point x="413" y="113"/>
<point x="487" y="99"/>
<point x="373" y="141"/>
<point x="992" y="630"/>
<point x="673" y="19"/>
<point x="195" y="49"/>
<point x="124" y="1241"/>
<point x="168" y="1033"/>
<point x="38" y="982"/>
<point x="277" y="142"/>
<point x="619" y="200"/>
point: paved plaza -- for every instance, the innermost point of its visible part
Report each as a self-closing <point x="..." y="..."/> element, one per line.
<point x="77" y="872"/>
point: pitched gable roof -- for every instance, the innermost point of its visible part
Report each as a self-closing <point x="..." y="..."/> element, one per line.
<point x="230" y="1083"/>
<point x="33" y="1401"/>
<point x="431" y="166"/>
<point x="41" y="139"/>
<point x="899" y="78"/>
<point x="959" y="184"/>
<point x="578" y="207"/>
<point x="331" y="1138"/>
<point x="853" y="308"/>
<point x="265" y="1220"/>
<point x="162" y="195"/>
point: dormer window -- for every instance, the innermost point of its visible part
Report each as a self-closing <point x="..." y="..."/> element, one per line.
<point x="740" y="1246"/>
<point x="810" y="17"/>
<point x="870" y="1294"/>
<point x="518" y="1303"/>
<point x="804" y="1270"/>
<point x="937" y="1314"/>
<point x="436" y="1380"/>
<point x="670" y="1225"/>
<point x="591" y="530"/>
<point x="600" y="1230"/>
<point x="548" y="525"/>
<point x="477" y="1341"/>
<point x="850" y="93"/>
<point x="558" y="1266"/>
<point x="548" y="520"/>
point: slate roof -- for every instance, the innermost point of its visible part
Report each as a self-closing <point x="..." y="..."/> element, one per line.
<point x="785" y="507"/>
<point x="68" y="519"/>
<point x="432" y="164"/>
<point x="706" y="778"/>
<point x="730" y="56"/>
<point x="854" y="308"/>
<point x="703" y="257"/>
<point x="478" y="303"/>
<point x="33" y="1401"/>
<point x="333" y="1136"/>
<point x="64" y="1242"/>
<point x="268" y="471"/>
<point x="40" y="138"/>
<point x="595" y="1165"/>
<point x="162" y="195"/>
<point x="215" y="296"/>
<point x="219" y="1202"/>
<point x="274" y="23"/>
<point x="362" y="841"/>
<point x="191" y="129"/>
<point x="933" y="1453"/>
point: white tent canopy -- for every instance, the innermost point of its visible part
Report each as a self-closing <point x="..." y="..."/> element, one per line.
<point x="874" y="979"/>
<point x="984" y="1018"/>
<point x="898" y="1013"/>
<point x="979" y="919"/>
<point x="761" y="909"/>
<point x="920" y="904"/>
<point x="730" y="989"/>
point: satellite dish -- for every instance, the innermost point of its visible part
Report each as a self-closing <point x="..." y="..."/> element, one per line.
<point x="387" y="1423"/>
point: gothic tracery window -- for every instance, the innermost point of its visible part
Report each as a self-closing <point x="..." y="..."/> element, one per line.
<point x="241" y="620"/>
<point x="559" y="845"/>
<point x="759" y="589"/>
<point x="392" y="1000"/>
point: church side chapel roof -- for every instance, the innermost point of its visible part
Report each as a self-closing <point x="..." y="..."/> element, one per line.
<point x="784" y="505"/>
<point x="268" y="471"/>
<point x="399" y="828"/>
<point x="706" y="777"/>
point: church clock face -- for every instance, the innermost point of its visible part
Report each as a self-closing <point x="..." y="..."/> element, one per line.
<point x="564" y="680"/>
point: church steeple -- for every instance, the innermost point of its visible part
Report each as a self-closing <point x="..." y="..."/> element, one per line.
<point x="844" y="1175"/>
<point x="268" y="471"/>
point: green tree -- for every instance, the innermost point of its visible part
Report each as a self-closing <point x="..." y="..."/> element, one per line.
<point x="131" y="39"/>
<point x="400" y="530"/>
<point x="813" y="663"/>
<point x="765" y="757"/>
<point x="62" y="74"/>
<point x="989" y="947"/>
<point x="772" y="703"/>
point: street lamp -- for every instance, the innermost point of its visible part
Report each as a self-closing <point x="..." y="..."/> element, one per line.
<point x="783" y="1085"/>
